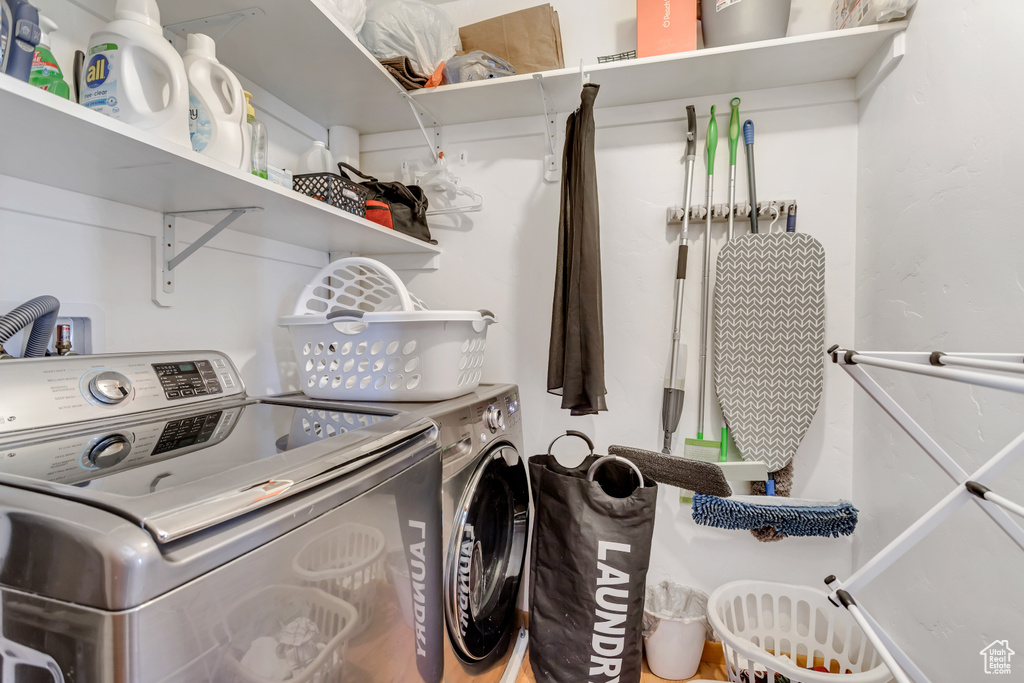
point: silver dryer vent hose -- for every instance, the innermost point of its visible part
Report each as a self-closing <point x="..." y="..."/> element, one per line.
<point x="41" y="313"/>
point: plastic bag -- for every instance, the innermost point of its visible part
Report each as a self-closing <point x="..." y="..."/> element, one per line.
<point x="351" y="13"/>
<point x="476" y="66"/>
<point x="852" y="13"/>
<point x="669" y="600"/>
<point x="413" y="29"/>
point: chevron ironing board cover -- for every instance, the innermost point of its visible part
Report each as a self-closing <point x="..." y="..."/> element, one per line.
<point x="769" y="341"/>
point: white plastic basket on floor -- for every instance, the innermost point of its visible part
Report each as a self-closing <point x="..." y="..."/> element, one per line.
<point x="266" y="612"/>
<point x="346" y="562"/>
<point x="359" y="335"/>
<point x="753" y="617"/>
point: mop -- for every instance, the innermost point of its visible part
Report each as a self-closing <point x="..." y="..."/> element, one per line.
<point x="769" y="332"/>
<point x="784" y="516"/>
<point x="701" y="448"/>
<point x="672" y="397"/>
<point x="692" y="475"/>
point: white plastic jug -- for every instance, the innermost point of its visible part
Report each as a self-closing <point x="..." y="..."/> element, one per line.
<point x="317" y="159"/>
<point x="216" y="104"/>
<point x="131" y="73"/>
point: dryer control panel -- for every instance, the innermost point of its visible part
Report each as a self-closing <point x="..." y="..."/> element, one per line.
<point x="55" y="391"/>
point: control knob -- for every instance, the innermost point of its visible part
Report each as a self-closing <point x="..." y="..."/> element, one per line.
<point x="110" y="387"/>
<point x="109" y="451"/>
<point x="493" y="419"/>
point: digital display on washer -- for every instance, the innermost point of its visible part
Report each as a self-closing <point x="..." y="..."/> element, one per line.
<point x="184" y="380"/>
<point x="512" y="404"/>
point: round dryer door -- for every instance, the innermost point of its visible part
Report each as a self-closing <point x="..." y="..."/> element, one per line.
<point x="486" y="552"/>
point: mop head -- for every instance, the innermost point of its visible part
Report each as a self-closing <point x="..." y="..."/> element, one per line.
<point x="695" y="475"/>
<point x="789" y="516"/>
<point x="702" y="449"/>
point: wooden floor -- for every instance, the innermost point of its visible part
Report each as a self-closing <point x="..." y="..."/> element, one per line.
<point x="712" y="667"/>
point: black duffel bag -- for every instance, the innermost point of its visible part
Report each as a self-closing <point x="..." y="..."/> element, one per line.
<point x="407" y="204"/>
<point x="591" y="548"/>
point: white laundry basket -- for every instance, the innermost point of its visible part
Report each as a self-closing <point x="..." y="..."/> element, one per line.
<point x="359" y="335"/>
<point x="755" y="617"/>
<point x="346" y="562"/>
<point x="264" y="612"/>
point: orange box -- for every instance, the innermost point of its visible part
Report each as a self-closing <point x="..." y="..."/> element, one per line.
<point x="665" y="26"/>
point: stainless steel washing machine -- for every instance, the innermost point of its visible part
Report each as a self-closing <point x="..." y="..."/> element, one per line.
<point x="487" y="515"/>
<point x="158" y="525"/>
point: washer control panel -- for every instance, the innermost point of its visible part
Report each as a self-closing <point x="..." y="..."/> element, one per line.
<point x="49" y="392"/>
<point x="191" y="378"/>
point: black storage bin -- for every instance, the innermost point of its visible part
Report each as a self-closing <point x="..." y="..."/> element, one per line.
<point x="333" y="189"/>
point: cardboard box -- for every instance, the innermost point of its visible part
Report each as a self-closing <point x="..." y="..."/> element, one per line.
<point x="665" y="26"/>
<point x="530" y="39"/>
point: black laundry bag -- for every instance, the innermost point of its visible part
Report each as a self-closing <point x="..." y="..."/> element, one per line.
<point x="591" y="549"/>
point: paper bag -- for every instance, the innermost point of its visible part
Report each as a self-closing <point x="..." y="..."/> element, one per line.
<point x="530" y="39"/>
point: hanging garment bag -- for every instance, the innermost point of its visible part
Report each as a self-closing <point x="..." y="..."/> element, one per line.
<point x="591" y="548"/>
<point x="576" y="345"/>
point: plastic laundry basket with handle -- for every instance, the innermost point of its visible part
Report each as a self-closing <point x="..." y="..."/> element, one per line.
<point x="768" y="628"/>
<point x="359" y="335"/>
<point x="266" y="614"/>
<point x="346" y="562"/>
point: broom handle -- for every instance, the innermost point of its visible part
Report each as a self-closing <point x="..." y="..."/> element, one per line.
<point x="712" y="143"/>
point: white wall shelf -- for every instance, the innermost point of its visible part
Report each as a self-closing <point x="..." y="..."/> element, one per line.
<point x="796" y="60"/>
<point x="62" y="144"/>
<point x="299" y="54"/>
<point x="330" y="77"/>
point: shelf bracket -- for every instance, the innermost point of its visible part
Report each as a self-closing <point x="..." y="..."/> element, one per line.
<point x="167" y="260"/>
<point x="209" y="25"/>
<point x="881" y="64"/>
<point x="552" y="170"/>
<point x="435" y="142"/>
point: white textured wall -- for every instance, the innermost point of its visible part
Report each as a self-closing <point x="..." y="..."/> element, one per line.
<point x="503" y="259"/>
<point x="938" y="267"/>
<point x="82" y="250"/>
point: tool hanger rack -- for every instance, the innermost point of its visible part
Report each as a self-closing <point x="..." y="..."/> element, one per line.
<point x="994" y="370"/>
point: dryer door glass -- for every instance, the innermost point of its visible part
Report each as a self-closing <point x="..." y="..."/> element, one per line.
<point x="486" y="551"/>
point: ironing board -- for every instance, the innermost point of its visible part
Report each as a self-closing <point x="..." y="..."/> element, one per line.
<point x="769" y="341"/>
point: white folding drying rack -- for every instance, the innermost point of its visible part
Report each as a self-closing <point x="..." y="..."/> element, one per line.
<point x="994" y="370"/>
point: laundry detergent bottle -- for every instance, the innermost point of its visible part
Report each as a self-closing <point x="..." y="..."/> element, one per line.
<point x="46" y="73"/>
<point x="19" y="35"/>
<point x="131" y="73"/>
<point x="217" y="121"/>
<point x="260" y="140"/>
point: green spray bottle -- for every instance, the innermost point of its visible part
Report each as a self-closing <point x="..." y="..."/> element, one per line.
<point x="46" y="74"/>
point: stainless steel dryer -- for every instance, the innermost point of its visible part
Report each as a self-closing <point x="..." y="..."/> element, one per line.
<point x="487" y="518"/>
<point x="158" y="525"/>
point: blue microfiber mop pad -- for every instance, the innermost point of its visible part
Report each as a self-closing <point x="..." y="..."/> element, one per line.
<point x="789" y="516"/>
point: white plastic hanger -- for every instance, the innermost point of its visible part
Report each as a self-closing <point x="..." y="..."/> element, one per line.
<point x="439" y="180"/>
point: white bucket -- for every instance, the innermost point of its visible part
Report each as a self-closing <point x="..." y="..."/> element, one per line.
<point x="675" y="626"/>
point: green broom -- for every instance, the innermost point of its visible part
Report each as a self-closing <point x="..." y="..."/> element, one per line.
<point x="701" y="448"/>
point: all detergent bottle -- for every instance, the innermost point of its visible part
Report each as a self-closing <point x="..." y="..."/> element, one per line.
<point x="46" y="73"/>
<point x="216" y="104"/>
<point x="19" y="35"/>
<point x="131" y="73"/>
